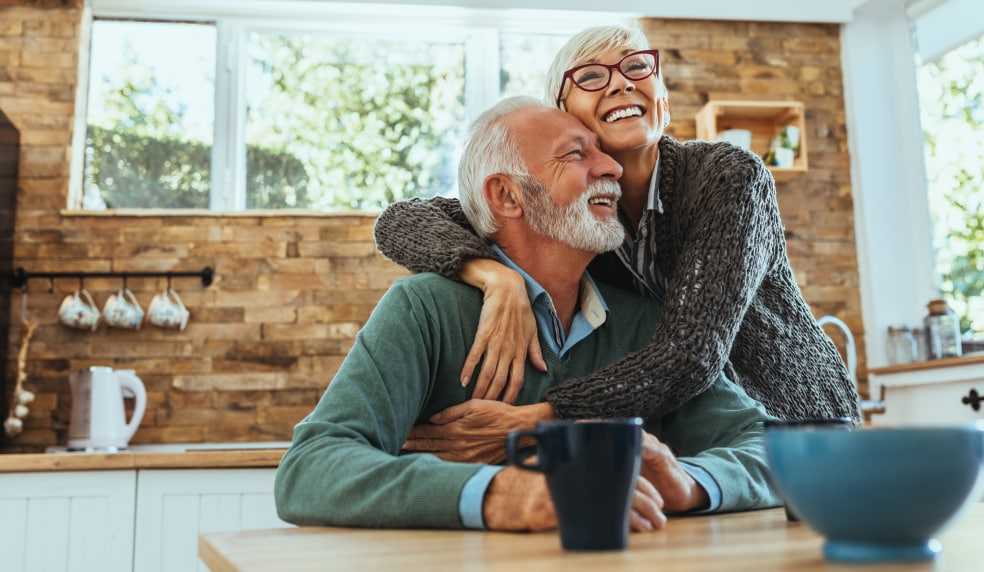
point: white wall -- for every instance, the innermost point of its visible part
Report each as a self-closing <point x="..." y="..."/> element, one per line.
<point x="892" y="221"/>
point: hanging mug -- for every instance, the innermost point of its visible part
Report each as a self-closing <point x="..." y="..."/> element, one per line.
<point x="166" y="310"/>
<point x="78" y="310"/>
<point x="123" y="311"/>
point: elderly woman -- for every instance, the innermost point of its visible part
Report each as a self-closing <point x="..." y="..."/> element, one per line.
<point x="704" y="236"/>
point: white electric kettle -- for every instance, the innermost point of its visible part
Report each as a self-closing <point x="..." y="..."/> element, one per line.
<point x="98" y="421"/>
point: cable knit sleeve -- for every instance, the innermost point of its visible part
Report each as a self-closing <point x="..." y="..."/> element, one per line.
<point x="730" y="242"/>
<point x="429" y="236"/>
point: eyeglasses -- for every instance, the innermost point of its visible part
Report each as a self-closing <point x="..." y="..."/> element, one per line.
<point x="596" y="77"/>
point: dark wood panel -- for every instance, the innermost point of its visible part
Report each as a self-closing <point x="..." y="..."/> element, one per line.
<point x="9" y="154"/>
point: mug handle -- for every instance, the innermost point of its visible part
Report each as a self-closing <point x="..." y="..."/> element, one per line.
<point x="130" y="296"/>
<point x="92" y="304"/>
<point x="88" y="297"/>
<point x="171" y="292"/>
<point x="520" y="457"/>
<point x="175" y="298"/>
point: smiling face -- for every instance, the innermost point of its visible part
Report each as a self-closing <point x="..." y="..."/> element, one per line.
<point x="571" y="193"/>
<point x="626" y="114"/>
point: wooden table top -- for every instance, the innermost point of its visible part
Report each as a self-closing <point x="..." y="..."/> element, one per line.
<point x="759" y="541"/>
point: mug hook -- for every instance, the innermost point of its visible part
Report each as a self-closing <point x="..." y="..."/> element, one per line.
<point x="81" y="283"/>
<point x="169" y="276"/>
<point x="51" y="285"/>
<point x="125" y="277"/>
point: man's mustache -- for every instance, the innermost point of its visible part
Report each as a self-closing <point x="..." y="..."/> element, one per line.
<point x="603" y="187"/>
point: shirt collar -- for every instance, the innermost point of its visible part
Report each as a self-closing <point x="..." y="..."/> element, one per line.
<point x="592" y="304"/>
<point x="654" y="203"/>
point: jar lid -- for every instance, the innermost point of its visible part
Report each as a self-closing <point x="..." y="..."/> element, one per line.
<point x="938" y="306"/>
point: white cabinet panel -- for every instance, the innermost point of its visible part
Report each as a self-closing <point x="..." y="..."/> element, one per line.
<point x="13" y="531"/>
<point x="932" y="396"/>
<point x="260" y="511"/>
<point x="175" y="506"/>
<point x="71" y="521"/>
<point x="47" y="534"/>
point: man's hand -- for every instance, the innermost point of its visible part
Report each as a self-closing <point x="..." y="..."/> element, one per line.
<point x="474" y="431"/>
<point x="647" y="507"/>
<point x="519" y="500"/>
<point x="679" y="491"/>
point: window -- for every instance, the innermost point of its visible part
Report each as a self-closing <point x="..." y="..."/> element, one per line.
<point x="311" y="110"/>
<point x="150" y="115"/>
<point x="350" y="122"/>
<point x="951" y="91"/>
<point x="525" y="58"/>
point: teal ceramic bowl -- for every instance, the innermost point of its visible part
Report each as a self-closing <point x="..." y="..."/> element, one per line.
<point x="877" y="495"/>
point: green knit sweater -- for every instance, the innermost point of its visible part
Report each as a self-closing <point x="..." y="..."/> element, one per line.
<point x="344" y="466"/>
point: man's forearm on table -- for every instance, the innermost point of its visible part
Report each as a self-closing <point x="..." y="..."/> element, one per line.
<point x="337" y="481"/>
<point x="740" y="473"/>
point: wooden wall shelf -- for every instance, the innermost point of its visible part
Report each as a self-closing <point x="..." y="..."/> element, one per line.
<point x="764" y="119"/>
<point x="970" y="359"/>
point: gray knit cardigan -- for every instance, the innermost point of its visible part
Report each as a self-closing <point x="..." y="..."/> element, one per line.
<point x="731" y="301"/>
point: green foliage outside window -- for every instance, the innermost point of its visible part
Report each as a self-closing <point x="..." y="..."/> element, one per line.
<point x="373" y="121"/>
<point x="140" y="171"/>
<point x="952" y="102"/>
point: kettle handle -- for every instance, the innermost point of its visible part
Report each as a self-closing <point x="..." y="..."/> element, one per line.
<point x="129" y="380"/>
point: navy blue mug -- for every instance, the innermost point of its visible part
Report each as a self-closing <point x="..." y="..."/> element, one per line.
<point x="591" y="469"/>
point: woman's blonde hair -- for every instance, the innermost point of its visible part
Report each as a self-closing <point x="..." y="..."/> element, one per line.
<point x="588" y="44"/>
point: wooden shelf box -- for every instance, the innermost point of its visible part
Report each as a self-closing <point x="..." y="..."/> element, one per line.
<point x="764" y="119"/>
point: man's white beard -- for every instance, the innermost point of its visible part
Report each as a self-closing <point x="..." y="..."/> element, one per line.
<point x="574" y="224"/>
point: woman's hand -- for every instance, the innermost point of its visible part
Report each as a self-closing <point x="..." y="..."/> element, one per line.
<point x="507" y="332"/>
<point x="474" y="431"/>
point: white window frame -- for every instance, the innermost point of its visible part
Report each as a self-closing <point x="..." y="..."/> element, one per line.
<point x="478" y="30"/>
<point x="893" y="228"/>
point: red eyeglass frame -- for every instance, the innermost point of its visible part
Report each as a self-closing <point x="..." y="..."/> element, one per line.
<point x="616" y="66"/>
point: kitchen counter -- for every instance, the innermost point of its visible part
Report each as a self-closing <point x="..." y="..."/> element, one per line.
<point x="177" y="456"/>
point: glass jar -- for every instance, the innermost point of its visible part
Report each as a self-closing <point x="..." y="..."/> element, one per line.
<point x="942" y="330"/>
<point x="901" y="345"/>
<point x="922" y="348"/>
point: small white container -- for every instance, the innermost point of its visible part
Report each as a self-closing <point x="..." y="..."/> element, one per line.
<point x="784" y="157"/>
<point x="737" y="137"/>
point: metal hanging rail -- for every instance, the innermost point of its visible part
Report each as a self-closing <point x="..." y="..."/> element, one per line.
<point x="21" y="276"/>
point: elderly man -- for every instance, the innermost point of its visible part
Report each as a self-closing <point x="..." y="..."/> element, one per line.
<point x="532" y="180"/>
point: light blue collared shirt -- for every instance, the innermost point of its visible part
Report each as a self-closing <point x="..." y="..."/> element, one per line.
<point x="591" y="313"/>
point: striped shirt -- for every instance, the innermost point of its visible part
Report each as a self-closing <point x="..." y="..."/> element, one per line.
<point x="638" y="251"/>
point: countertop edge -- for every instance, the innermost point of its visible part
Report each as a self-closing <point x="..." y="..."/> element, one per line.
<point x="57" y="462"/>
<point x="967" y="360"/>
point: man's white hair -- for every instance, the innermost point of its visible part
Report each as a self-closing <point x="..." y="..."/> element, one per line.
<point x="489" y="150"/>
<point x="589" y="44"/>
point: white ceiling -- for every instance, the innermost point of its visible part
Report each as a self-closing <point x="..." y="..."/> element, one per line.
<point x="758" y="10"/>
<point x="838" y="11"/>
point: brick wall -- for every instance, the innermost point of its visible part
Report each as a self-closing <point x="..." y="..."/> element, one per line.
<point x="291" y="292"/>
